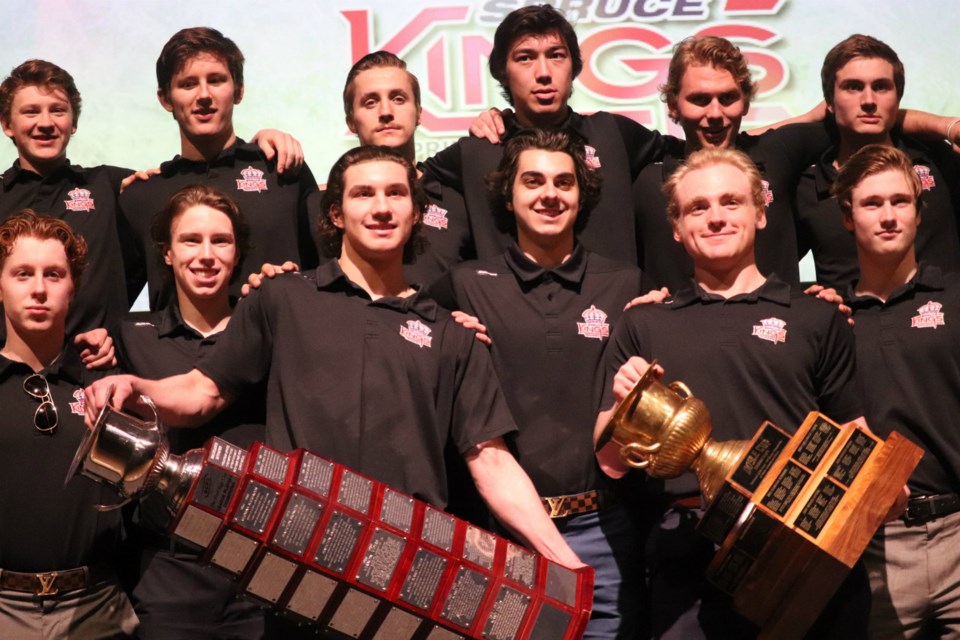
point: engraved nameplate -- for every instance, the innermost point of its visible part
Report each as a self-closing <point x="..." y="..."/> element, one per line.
<point x="756" y="462"/>
<point x="271" y="465"/>
<point x="423" y="578"/>
<point x="227" y="455"/>
<point x="785" y="489"/>
<point x="355" y="491"/>
<point x="722" y="514"/>
<point x="438" y="529"/>
<point x="816" y="513"/>
<point x="299" y="520"/>
<point x="854" y="454"/>
<point x="338" y="542"/>
<point x="256" y="507"/>
<point x="380" y="559"/>
<point x="315" y="474"/>
<point x="815" y="443"/>
<point x="214" y="489"/>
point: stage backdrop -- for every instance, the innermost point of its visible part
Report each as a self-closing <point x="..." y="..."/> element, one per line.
<point x="299" y="51"/>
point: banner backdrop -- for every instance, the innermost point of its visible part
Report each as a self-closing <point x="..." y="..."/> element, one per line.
<point x="298" y="53"/>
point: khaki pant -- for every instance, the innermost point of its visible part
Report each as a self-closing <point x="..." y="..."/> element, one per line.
<point x="95" y="614"/>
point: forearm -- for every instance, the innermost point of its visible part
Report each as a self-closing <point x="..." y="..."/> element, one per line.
<point x="186" y="400"/>
<point x="930" y="125"/>
<point x="511" y="496"/>
<point x="609" y="456"/>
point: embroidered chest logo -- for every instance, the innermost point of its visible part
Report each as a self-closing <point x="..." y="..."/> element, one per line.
<point x="78" y="406"/>
<point x="435" y="217"/>
<point x="767" y="193"/>
<point x="594" y="324"/>
<point x="926" y="178"/>
<point x="928" y="316"/>
<point x="771" y="329"/>
<point x="417" y="333"/>
<point x="593" y="160"/>
<point x="252" y="180"/>
<point x="80" y="200"/>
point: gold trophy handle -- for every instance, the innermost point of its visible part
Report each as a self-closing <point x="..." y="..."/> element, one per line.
<point x="633" y="454"/>
<point x="680" y="388"/>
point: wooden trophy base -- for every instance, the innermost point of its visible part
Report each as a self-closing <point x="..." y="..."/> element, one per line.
<point x="795" y="513"/>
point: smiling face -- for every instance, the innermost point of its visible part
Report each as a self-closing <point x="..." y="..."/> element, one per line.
<point x="545" y="199"/>
<point x="201" y="98"/>
<point x="36" y="287"/>
<point x="377" y="212"/>
<point x="539" y="74"/>
<point x="384" y="109"/>
<point x="202" y="252"/>
<point x="865" y="102"/>
<point x="884" y="215"/>
<point x="709" y="106"/>
<point x="41" y="123"/>
<point x="718" y="219"/>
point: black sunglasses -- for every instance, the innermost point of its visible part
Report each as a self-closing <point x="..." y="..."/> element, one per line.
<point x="45" y="419"/>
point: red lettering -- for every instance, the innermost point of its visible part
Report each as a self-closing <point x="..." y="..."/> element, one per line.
<point x="753" y="6"/>
<point x="652" y="66"/>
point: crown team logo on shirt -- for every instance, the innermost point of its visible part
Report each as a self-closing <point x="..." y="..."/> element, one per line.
<point x="417" y="333"/>
<point x="593" y="161"/>
<point x="928" y="316"/>
<point x="771" y="329"/>
<point x="926" y="178"/>
<point x="767" y="193"/>
<point x="80" y="200"/>
<point x="80" y="404"/>
<point x="594" y="324"/>
<point x="252" y="180"/>
<point x="435" y="217"/>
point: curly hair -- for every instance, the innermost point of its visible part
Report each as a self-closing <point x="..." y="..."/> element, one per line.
<point x="711" y="51"/>
<point x="28" y="224"/>
<point x="38" y="73"/>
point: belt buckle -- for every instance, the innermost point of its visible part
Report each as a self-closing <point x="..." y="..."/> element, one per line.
<point x="919" y="510"/>
<point x="47" y="584"/>
<point x="558" y="506"/>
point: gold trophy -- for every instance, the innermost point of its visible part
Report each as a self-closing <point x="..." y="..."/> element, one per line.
<point x="665" y="430"/>
<point x="790" y="514"/>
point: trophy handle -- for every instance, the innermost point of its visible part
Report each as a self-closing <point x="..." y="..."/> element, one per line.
<point x="162" y="428"/>
<point x="680" y="388"/>
<point x="633" y="454"/>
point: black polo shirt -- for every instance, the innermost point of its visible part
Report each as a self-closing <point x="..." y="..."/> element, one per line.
<point x="819" y="221"/>
<point x="44" y="525"/>
<point x="780" y="155"/>
<point x="771" y="354"/>
<point x="380" y="386"/>
<point x="86" y="199"/>
<point x="446" y="230"/>
<point x="617" y="146"/>
<point x="275" y="207"/>
<point x="908" y="352"/>
<point x="159" y="344"/>
<point x="549" y="327"/>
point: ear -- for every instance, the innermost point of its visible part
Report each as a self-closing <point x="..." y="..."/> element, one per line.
<point x="336" y="216"/>
<point x="676" y="231"/>
<point x="847" y="221"/>
<point x="510" y="206"/>
<point x="762" y="218"/>
<point x="167" y="260"/>
<point x="239" y="96"/>
<point x="419" y="112"/>
<point x="163" y="101"/>
<point x="8" y="131"/>
<point x="672" y="109"/>
<point x="352" y="124"/>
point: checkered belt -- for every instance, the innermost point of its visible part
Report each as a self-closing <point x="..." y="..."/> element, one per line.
<point x="588" y="502"/>
<point x="923" y="509"/>
<point x="52" y="583"/>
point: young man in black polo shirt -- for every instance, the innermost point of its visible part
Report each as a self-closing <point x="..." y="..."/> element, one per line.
<point x="57" y="551"/>
<point x="200" y="80"/>
<point x="711" y="336"/>
<point x="535" y="58"/>
<point x="381" y="102"/>
<point x="548" y="305"/>
<point x="908" y="355"/>
<point x="384" y="381"/>
<point x="863" y="82"/>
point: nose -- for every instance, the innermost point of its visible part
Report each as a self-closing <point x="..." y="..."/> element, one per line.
<point x="39" y="287"/>
<point x="45" y="120"/>
<point x="716" y="218"/>
<point x="868" y="96"/>
<point x="203" y="91"/>
<point x="542" y="69"/>
<point x="386" y="111"/>
<point x="887" y="214"/>
<point x="381" y="203"/>
<point x="713" y="110"/>
<point x="206" y="250"/>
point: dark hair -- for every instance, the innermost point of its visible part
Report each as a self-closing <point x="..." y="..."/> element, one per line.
<point x="331" y="235"/>
<point x="871" y="160"/>
<point x="500" y="182"/>
<point x="705" y="158"/>
<point x="536" y="20"/>
<point x="858" y="46"/>
<point x="38" y="73"/>
<point x="199" y="195"/>
<point x="28" y="224"/>
<point x="187" y="44"/>
<point x="707" y="51"/>
<point x="373" y="61"/>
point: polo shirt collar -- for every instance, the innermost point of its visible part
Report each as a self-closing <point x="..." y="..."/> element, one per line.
<point x="527" y="270"/>
<point x="330" y="277"/>
<point x="225" y="157"/>
<point x="826" y="174"/>
<point x="67" y="367"/>
<point x="927" y="278"/>
<point x="16" y="173"/>
<point x="773" y="290"/>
